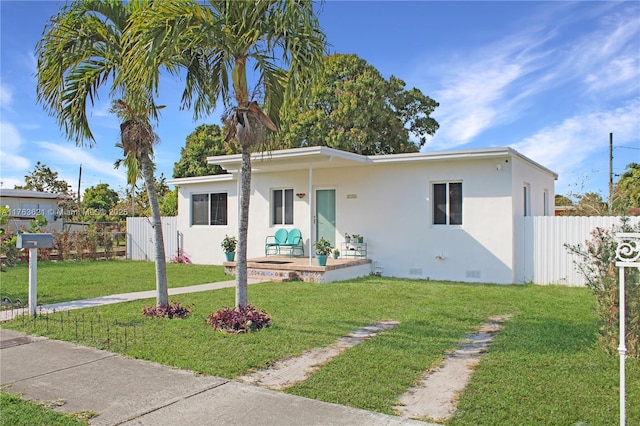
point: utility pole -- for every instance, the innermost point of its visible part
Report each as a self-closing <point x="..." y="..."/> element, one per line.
<point x="610" y="172"/>
<point x="79" y="181"/>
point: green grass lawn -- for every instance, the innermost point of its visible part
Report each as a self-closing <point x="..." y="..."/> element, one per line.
<point x="69" y="280"/>
<point x="18" y="412"/>
<point x="544" y="368"/>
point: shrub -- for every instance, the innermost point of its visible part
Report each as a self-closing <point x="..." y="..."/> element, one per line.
<point x="597" y="264"/>
<point x="323" y="247"/>
<point x="172" y="310"/>
<point x="229" y="244"/>
<point x="239" y="320"/>
<point x="181" y="258"/>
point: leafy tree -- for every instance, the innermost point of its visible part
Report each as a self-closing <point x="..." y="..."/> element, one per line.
<point x="626" y="193"/>
<point x="83" y="48"/>
<point x="353" y="108"/>
<point x="100" y="198"/>
<point x="561" y="200"/>
<point x="169" y="203"/>
<point x="226" y="37"/>
<point x="143" y="207"/>
<point x="591" y="204"/>
<point x="43" y="179"/>
<point x="205" y="141"/>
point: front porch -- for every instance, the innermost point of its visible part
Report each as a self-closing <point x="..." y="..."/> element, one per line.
<point x="284" y="268"/>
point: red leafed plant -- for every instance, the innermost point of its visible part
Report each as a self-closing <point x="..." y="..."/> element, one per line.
<point x="239" y="320"/>
<point x="172" y="310"/>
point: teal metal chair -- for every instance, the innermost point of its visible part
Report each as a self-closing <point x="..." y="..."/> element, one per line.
<point x="294" y="242"/>
<point x="273" y="242"/>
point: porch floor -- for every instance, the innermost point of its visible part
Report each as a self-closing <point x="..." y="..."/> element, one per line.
<point x="284" y="268"/>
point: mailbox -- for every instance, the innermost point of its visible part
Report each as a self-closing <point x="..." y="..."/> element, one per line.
<point x="34" y="241"/>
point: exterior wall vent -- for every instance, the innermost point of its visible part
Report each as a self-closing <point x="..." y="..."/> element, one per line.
<point x="472" y="274"/>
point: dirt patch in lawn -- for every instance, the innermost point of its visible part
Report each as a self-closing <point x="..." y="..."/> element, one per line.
<point x="436" y="394"/>
<point x="287" y="372"/>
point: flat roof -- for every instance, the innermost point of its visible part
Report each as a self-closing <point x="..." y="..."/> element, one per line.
<point x="319" y="157"/>
<point x="27" y="193"/>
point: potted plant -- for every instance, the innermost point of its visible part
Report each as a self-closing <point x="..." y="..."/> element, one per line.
<point x="347" y="238"/>
<point x="323" y="249"/>
<point x="229" y="247"/>
<point x="336" y="253"/>
<point x="357" y="238"/>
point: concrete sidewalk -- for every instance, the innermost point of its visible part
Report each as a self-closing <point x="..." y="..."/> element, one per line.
<point x="127" y="391"/>
<point x="9" y="314"/>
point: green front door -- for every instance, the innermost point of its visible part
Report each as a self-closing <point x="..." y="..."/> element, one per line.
<point x="326" y="215"/>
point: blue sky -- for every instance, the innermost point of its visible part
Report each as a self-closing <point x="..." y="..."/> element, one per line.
<point x="549" y="79"/>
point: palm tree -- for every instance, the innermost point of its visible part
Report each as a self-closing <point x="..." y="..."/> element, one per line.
<point x="137" y="141"/>
<point x="81" y="50"/>
<point x="224" y="38"/>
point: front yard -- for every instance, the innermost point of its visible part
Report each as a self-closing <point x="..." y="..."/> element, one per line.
<point x="544" y="368"/>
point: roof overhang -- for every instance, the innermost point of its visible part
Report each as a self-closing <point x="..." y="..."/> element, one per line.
<point x="458" y="155"/>
<point x="319" y="157"/>
<point x="200" y="179"/>
<point x="291" y="159"/>
<point x="26" y="193"/>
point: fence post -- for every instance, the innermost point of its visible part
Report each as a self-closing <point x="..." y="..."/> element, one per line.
<point x="627" y="256"/>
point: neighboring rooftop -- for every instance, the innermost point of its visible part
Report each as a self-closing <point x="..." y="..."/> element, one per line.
<point x="26" y="193"/>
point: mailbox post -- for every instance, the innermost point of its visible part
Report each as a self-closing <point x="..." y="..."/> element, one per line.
<point x="33" y="242"/>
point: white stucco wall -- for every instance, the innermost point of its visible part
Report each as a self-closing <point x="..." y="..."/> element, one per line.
<point x="201" y="243"/>
<point x="391" y="205"/>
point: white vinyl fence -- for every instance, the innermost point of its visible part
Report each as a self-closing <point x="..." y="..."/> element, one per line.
<point x="540" y="253"/>
<point x="140" y="238"/>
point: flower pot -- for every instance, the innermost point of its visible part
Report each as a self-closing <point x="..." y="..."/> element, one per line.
<point x="230" y="255"/>
<point x="322" y="259"/>
<point x="336" y="255"/>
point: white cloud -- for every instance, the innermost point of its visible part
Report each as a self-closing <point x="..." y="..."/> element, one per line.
<point x="496" y="84"/>
<point x="6" y="97"/>
<point x="607" y="59"/>
<point x="565" y="147"/>
<point x="67" y="155"/>
<point x="10" y="160"/>
<point x="487" y="87"/>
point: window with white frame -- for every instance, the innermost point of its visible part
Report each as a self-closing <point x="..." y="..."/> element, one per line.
<point x="447" y="203"/>
<point x="282" y="207"/>
<point x="209" y="209"/>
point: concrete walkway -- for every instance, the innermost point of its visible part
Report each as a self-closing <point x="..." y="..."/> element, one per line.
<point x="126" y="391"/>
<point x="7" y="315"/>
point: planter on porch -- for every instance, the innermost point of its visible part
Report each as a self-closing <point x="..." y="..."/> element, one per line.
<point x="321" y="259"/>
<point x="230" y="255"/>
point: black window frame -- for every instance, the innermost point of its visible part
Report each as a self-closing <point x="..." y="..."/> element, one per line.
<point x="216" y="209"/>
<point x="447" y="203"/>
<point x="282" y="206"/>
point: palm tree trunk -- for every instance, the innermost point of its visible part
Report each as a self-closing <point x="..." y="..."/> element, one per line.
<point x="160" y="261"/>
<point x="243" y="228"/>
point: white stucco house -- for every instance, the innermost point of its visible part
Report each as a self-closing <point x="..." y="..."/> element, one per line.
<point x="445" y="215"/>
<point x="24" y="205"/>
